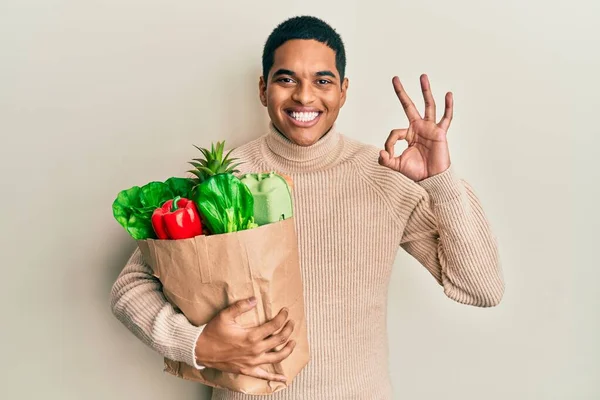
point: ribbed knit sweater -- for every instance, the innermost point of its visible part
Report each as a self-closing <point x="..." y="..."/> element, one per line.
<point x="351" y="216"/>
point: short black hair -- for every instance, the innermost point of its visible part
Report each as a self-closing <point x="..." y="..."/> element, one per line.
<point x="304" y="27"/>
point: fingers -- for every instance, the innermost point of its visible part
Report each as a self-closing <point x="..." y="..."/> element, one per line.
<point x="407" y="104"/>
<point x="386" y="161"/>
<point x="239" y="307"/>
<point x="448" y="112"/>
<point x="258" y="372"/>
<point x="394" y="136"/>
<point x="428" y="97"/>
<point x="269" y="328"/>
<point x="384" y="158"/>
<point x="278" y="356"/>
<point x="279" y="338"/>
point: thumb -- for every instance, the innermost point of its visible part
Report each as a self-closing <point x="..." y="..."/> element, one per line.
<point x="384" y="158"/>
<point x="240" y="307"/>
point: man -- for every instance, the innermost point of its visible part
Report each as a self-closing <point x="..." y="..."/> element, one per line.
<point x="354" y="205"/>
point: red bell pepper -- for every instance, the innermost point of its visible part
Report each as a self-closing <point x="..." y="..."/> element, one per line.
<point x="177" y="219"/>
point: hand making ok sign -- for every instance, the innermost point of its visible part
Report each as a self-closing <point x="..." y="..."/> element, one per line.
<point x="427" y="153"/>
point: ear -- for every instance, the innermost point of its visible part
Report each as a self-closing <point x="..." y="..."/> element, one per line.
<point x="345" y="84"/>
<point x="262" y="91"/>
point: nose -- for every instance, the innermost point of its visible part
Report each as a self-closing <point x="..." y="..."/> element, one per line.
<point x="303" y="94"/>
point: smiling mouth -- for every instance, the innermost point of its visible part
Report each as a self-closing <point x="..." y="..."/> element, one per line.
<point x="304" y="116"/>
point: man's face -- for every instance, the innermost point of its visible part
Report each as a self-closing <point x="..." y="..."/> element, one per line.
<point x="303" y="93"/>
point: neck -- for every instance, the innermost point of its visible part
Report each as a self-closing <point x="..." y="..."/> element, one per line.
<point x="290" y="141"/>
<point x="287" y="156"/>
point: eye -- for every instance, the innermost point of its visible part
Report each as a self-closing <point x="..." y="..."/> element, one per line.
<point x="285" y="80"/>
<point x="324" y="81"/>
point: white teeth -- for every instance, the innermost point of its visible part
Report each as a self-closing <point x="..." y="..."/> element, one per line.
<point x="304" y="116"/>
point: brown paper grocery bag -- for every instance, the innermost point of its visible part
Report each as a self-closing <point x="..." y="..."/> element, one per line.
<point x="203" y="275"/>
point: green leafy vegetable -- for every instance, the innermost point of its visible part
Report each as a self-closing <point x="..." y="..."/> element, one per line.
<point x="126" y="200"/>
<point x="138" y="226"/>
<point x="129" y="212"/>
<point x="154" y="194"/>
<point x="225" y="203"/>
<point x="180" y="186"/>
<point x="133" y="207"/>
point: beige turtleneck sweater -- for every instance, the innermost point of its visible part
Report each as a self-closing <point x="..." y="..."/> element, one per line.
<point x="351" y="216"/>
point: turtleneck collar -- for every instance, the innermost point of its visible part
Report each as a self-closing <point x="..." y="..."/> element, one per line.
<point x="287" y="156"/>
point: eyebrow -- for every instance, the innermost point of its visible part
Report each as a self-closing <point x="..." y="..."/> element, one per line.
<point x="283" y="71"/>
<point x="325" y="73"/>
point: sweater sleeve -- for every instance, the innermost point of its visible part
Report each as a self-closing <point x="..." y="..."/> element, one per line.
<point x="138" y="302"/>
<point x="448" y="233"/>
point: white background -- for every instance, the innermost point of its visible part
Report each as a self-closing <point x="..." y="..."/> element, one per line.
<point x="98" y="96"/>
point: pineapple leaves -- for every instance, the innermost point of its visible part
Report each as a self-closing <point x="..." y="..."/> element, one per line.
<point x="234" y="166"/>
<point x="213" y="162"/>
<point x="195" y="164"/>
<point x="220" y="147"/>
<point x="197" y="173"/>
<point x="207" y="171"/>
